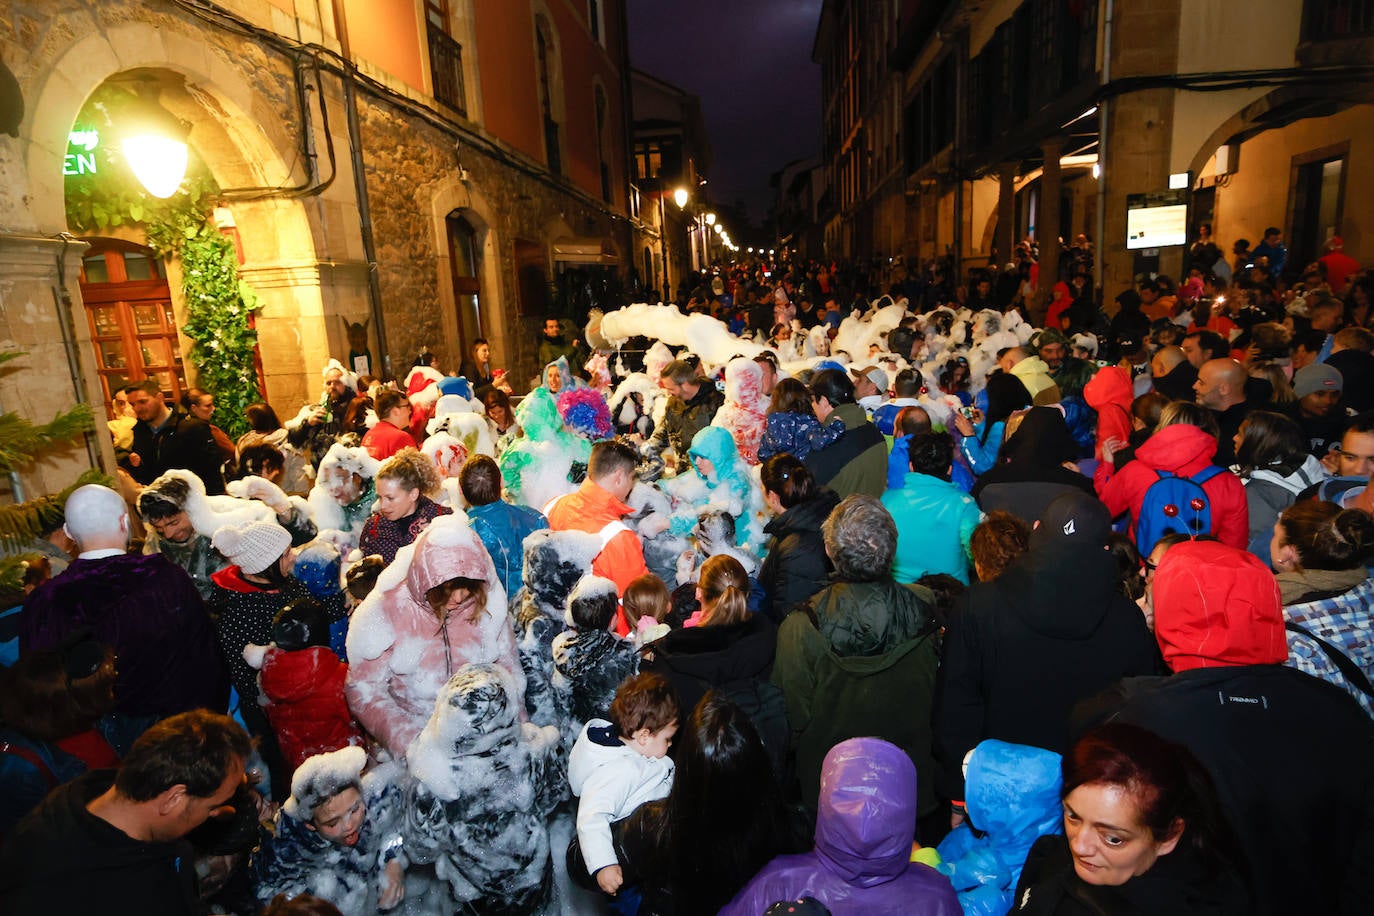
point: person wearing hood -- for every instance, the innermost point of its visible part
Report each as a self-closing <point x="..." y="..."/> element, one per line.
<point x="589" y="661"/>
<point x="558" y="378"/>
<point x="744" y="413"/>
<point x="1174" y="375"/>
<point x="338" y="837"/>
<point x="302" y="684"/>
<point x="531" y="465"/>
<point x="438" y="606"/>
<point x="483" y="784"/>
<point x="1037" y="466"/>
<point x="1012" y="799"/>
<point x="863" y="636"/>
<point x="865" y="826"/>
<point x="1129" y="321"/>
<point x="1184" y="444"/>
<point x="1320" y="551"/>
<point x="719" y="479"/>
<point x="1019" y="655"/>
<point x="795" y="565"/>
<point x="1143" y="834"/>
<point x="1278" y="743"/>
<point x="1110" y="393"/>
<point x="1273" y="462"/>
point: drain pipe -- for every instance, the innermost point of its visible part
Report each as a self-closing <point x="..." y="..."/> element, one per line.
<point x="1103" y="110"/>
<point x="355" y="153"/>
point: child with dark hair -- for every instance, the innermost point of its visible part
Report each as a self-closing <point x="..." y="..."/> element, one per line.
<point x="791" y="426"/>
<point x="589" y="661"/>
<point x="998" y="540"/>
<point x="618" y="765"/>
<point x="302" y="684"/>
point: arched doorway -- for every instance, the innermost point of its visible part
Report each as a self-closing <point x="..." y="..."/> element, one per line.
<point x="133" y="326"/>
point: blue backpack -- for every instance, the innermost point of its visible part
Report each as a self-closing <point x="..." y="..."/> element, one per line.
<point x="1174" y="504"/>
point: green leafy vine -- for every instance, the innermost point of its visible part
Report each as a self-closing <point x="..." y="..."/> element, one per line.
<point x="219" y="305"/>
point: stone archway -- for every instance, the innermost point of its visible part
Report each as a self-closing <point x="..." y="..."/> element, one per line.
<point x="238" y="131"/>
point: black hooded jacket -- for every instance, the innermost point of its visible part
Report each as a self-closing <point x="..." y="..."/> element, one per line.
<point x="1053" y="629"/>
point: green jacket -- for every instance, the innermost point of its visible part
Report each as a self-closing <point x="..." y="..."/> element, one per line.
<point x="859" y="660"/>
<point x="857" y="461"/>
<point x="682" y="420"/>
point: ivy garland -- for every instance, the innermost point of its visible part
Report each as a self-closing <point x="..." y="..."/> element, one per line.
<point x="219" y="305"/>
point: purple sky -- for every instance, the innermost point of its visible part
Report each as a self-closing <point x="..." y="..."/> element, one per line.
<point x="750" y="63"/>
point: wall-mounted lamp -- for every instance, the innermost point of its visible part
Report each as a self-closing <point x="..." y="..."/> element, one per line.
<point x="155" y="144"/>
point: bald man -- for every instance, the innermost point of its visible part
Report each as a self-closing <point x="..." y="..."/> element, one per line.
<point x="1220" y="387"/>
<point x="1173" y="374"/>
<point x="145" y="607"/>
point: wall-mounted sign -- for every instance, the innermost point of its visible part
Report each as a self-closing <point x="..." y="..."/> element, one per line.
<point x="1157" y="220"/>
<point x="80" y="158"/>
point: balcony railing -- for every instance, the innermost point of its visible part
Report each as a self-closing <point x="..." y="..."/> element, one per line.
<point x="446" y="69"/>
<point x="1331" y="20"/>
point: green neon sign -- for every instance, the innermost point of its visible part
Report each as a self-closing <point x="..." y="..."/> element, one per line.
<point x="80" y="157"/>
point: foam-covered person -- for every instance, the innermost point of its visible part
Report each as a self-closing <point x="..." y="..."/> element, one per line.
<point x="720" y="479"/>
<point x="344" y="492"/>
<point x="484" y="783"/>
<point x="338" y="837"/>
<point x="554" y="562"/>
<point x="589" y="661"/>
<point x="182" y="519"/>
<point x="437" y="606"/>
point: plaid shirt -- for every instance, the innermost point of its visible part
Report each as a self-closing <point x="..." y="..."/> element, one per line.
<point x="1346" y="622"/>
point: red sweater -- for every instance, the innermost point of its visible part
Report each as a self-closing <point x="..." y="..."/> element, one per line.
<point x="386" y="439"/>
<point x="1183" y="450"/>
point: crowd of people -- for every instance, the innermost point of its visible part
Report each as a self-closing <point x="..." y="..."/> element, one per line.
<point x="797" y="598"/>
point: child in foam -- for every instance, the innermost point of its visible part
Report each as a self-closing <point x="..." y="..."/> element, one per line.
<point x="344" y="492"/>
<point x="338" y="836"/>
<point x="589" y="662"/>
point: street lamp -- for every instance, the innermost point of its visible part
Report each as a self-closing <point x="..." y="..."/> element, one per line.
<point x="680" y="197"/>
<point x="710" y="219"/>
<point x="155" y="145"/>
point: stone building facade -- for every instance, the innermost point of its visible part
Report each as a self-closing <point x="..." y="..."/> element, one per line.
<point x="355" y="144"/>
<point x="1043" y="117"/>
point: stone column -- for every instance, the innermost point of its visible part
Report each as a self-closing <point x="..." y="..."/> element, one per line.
<point x="1047" y="227"/>
<point x="58" y="368"/>
<point x="1006" y="212"/>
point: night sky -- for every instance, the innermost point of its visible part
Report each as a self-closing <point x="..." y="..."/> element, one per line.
<point x="750" y="63"/>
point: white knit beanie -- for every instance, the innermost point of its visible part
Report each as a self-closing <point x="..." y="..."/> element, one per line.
<point x="254" y="546"/>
